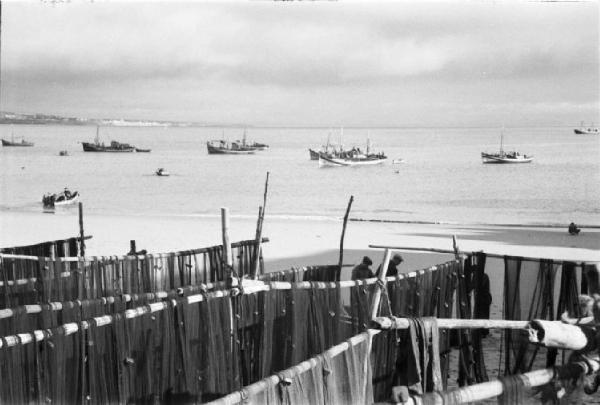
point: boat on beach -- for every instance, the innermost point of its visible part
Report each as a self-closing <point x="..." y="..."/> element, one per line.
<point x="64" y="198"/>
<point x="114" y="146"/>
<point x="503" y="157"/>
<point x="583" y="130"/>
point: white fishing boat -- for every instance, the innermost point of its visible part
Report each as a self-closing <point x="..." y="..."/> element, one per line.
<point x="358" y="160"/>
<point x="64" y="198"/>
<point x="353" y="157"/>
<point x="590" y="130"/>
<point x="505" y="157"/>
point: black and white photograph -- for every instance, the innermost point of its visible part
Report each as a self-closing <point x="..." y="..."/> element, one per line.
<point x="299" y="202"/>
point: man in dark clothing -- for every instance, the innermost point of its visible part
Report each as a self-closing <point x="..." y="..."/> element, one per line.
<point x="392" y="270"/>
<point x="573" y="230"/>
<point x="363" y="270"/>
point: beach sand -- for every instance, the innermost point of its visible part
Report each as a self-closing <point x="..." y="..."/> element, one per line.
<point x="295" y="242"/>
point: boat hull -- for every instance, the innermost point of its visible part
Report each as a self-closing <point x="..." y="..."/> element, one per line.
<point x="60" y="200"/>
<point x="22" y="143"/>
<point x="494" y="159"/>
<point x="327" y="161"/>
<point x="90" y="147"/>
<point x="593" y="131"/>
<point x="218" y="150"/>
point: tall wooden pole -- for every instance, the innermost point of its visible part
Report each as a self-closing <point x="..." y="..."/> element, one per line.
<point x="258" y="236"/>
<point x="341" y="260"/>
<point x="227" y="256"/>
<point x="81" y="236"/>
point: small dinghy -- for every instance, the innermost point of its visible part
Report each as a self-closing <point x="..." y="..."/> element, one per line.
<point x="162" y="172"/>
<point x="65" y="198"/>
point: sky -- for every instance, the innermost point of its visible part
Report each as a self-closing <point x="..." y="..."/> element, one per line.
<point x="344" y="63"/>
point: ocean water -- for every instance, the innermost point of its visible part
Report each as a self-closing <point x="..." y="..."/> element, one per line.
<point x="441" y="179"/>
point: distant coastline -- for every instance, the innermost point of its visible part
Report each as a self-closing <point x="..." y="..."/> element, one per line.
<point x="10" y="118"/>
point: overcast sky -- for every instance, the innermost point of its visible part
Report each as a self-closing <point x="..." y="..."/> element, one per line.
<point x="305" y="63"/>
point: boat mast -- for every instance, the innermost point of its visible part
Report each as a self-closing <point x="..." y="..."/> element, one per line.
<point x="502" y="141"/>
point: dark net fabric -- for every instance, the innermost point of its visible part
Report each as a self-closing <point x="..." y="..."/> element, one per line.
<point x="402" y="356"/>
<point x="528" y="294"/>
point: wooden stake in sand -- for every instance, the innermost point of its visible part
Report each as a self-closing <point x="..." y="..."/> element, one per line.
<point x="259" y="225"/>
<point x="381" y="283"/>
<point x="81" y="237"/>
<point x="227" y="255"/>
<point x="341" y="261"/>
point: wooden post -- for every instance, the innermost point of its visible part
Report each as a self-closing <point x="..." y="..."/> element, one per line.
<point x="341" y="260"/>
<point x="381" y="285"/>
<point x="227" y="255"/>
<point x="132" y="248"/>
<point x="258" y="236"/>
<point x="82" y="238"/>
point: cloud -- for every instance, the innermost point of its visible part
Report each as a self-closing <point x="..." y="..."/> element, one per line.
<point x="393" y="54"/>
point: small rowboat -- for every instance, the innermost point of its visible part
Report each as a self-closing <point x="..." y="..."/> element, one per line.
<point x="64" y="198"/>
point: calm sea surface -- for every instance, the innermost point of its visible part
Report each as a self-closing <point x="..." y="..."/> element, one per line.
<point x="442" y="177"/>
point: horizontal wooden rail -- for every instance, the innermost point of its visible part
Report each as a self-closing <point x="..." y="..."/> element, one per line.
<point x="467" y="252"/>
<point x="132" y="257"/>
<point x="451" y="323"/>
<point x="260" y="386"/>
<point x="490" y="389"/>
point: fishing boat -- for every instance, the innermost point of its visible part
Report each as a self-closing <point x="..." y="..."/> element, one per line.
<point x="353" y="157"/>
<point x="222" y="147"/>
<point x="351" y="160"/>
<point x="12" y="142"/>
<point x="114" y="146"/>
<point x="505" y="157"/>
<point x="583" y="130"/>
<point x="162" y="172"/>
<point x="64" y="198"/>
<point x="140" y="150"/>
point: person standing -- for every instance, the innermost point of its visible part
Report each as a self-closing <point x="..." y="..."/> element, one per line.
<point x="392" y="270"/>
<point x="363" y="270"/>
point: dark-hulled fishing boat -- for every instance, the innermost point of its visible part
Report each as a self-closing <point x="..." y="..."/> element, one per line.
<point x="12" y="142"/>
<point x="222" y="147"/>
<point x="114" y="146"/>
